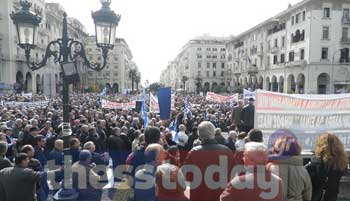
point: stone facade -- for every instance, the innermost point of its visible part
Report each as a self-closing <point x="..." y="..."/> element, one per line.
<point x="116" y="73"/>
<point x="203" y="62"/>
<point x="304" y="49"/>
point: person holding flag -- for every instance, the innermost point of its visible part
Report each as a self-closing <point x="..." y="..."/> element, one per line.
<point x="144" y="114"/>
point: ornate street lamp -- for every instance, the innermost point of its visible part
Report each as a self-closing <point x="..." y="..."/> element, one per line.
<point x="66" y="51"/>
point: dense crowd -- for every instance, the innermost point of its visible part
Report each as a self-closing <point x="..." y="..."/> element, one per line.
<point x="212" y="154"/>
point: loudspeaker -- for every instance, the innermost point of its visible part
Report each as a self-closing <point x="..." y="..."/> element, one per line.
<point x="138" y="106"/>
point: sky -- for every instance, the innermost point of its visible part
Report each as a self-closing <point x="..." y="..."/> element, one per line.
<point x="156" y="30"/>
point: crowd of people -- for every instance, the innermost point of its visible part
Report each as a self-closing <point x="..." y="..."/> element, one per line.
<point x="213" y="154"/>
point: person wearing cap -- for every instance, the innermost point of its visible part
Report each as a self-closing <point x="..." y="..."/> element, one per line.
<point x="247" y="116"/>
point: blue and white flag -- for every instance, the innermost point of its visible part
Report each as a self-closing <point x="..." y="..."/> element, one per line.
<point x="144" y="114"/>
<point x="104" y="92"/>
<point x="248" y="94"/>
<point x="206" y="116"/>
<point x="173" y="130"/>
<point x="187" y="110"/>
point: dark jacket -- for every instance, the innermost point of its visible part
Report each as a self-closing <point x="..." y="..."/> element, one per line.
<point x="203" y="156"/>
<point x="41" y="156"/>
<point x="4" y="163"/>
<point x="17" y="179"/>
<point x="325" y="179"/>
<point x="247" y="116"/>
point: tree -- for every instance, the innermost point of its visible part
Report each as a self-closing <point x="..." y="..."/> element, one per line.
<point x="137" y="80"/>
<point x="154" y="87"/>
<point x="199" y="84"/>
<point x="132" y="76"/>
<point x="184" y="80"/>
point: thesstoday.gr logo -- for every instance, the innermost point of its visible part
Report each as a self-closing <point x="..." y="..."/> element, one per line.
<point x="283" y="144"/>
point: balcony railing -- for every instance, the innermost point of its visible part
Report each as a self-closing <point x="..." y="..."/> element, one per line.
<point x="274" y="50"/>
<point x="346" y="20"/>
<point x="297" y="63"/>
<point x="345" y="40"/>
<point x="252" y="70"/>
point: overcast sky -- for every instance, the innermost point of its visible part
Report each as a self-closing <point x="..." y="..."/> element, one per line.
<point x="157" y="29"/>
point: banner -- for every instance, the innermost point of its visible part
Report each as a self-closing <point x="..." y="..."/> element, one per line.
<point x="27" y="95"/>
<point x="164" y="100"/>
<point x="213" y="97"/>
<point x="153" y="104"/>
<point x="106" y="104"/>
<point x="248" y="94"/>
<point x="26" y="104"/>
<point x="306" y="116"/>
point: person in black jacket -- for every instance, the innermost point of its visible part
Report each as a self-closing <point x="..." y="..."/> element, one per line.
<point x="4" y="162"/>
<point x="327" y="167"/>
<point x="247" y="116"/>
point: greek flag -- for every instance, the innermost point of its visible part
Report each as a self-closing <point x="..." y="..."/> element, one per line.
<point x="104" y="92"/>
<point x="187" y="111"/>
<point x="206" y="116"/>
<point x="173" y="130"/>
<point x="144" y="114"/>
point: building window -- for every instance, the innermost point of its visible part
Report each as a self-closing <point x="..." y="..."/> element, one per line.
<point x="297" y="18"/>
<point x="276" y="42"/>
<point x="324" y="54"/>
<point x="326" y="12"/>
<point x="214" y="65"/>
<point x="304" y="15"/>
<point x="208" y="56"/>
<point x="199" y="73"/>
<point x="208" y="49"/>
<point x="115" y="74"/>
<point x="283" y="59"/>
<point x="208" y="65"/>
<point x="275" y="59"/>
<point x="214" y="74"/>
<point x="215" y="49"/>
<point x="214" y="56"/>
<point x="292" y="20"/>
<point x="186" y="67"/>
<point x="291" y="56"/>
<point x="346" y="14"/>
<point x="223" y="49"/>
<point x="207" y="73"/>
<point x="116" y="66"/>
<point x="302" y="54"/>
<point x="325" y="33"/>
<point x="199" y="64"/>
<point x="222" y="73"/>
<point x="199" y="56"/>
<point x="199" y="49"/>
<point x="345" y="33"/>
<point x="222" y="65"/>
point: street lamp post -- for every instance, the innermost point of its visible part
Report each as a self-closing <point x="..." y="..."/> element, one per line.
<point x="66" y="51"/>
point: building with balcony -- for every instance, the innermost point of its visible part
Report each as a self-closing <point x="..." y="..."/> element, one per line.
<point x="13" y="69"/>
<point x="199" y="67"/>
<point x="116" y="75"/>
<point x="303" y="49"/>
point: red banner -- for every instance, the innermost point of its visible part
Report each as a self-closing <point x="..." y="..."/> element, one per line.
<point x="106" y="104"/>
<point x="213" y="97"/>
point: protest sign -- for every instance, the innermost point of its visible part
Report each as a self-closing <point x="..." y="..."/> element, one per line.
<point x="306" y="115"/>
<point x="248" y="94"/>
<point x="106" y="104"/>
<point x="213" y="97"/>
<point x="153" y="104"/>
<point x="26" y="104"/>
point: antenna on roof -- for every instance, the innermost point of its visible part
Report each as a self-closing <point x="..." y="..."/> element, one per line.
<point x="289" y="5"/>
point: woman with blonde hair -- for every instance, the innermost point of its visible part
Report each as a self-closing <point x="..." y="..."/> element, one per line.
<point x="327" y="167"/>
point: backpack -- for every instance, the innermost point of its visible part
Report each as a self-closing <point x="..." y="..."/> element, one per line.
<point x="318" y="172"/>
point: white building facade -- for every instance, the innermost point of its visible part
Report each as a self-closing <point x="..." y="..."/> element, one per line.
<point x="14" y="73"/>
<point x="304" y="49"/>
<point x="116" y="74"/>
<point x="199" y="67"/>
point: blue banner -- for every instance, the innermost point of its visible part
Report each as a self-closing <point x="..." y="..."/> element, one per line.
<point x="164" y="101"/>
